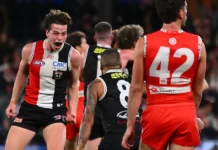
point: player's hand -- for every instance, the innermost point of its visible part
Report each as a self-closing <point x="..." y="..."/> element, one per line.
<point x="71" y="118"/>
<point x="128" y="138"/>
<point x="11" y="110"/>
<point x="200" y="124"/>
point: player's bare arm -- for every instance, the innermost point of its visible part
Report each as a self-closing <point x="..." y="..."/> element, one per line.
<point x="137" y="84"/>
<point x="135" y="95"/>
<point x="73" y="88"/>
<point x="94" y="92"/>
<point x="21" y="79"/>
<point x="199" y="77"/>
<point x="83" y="59"/>
<point x="205" y="85"/>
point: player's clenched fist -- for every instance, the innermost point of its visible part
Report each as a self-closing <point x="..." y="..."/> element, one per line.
<point x="71" y="118"/>
<point x="128" y="138"/>
<point x="11" y="110"/>
<point x="200" y="124"/>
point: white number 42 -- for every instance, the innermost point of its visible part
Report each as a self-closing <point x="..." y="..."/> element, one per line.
<point x="162" y="60"/>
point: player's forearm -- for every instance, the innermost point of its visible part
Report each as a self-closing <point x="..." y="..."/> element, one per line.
<point x="134" y="102"/>
<point x="73" y="98"/>
<point x="197" y="100"/>
<point x="19" y="85"/>
<point x="84" y="133"/>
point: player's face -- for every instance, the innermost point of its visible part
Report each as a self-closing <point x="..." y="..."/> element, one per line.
<point x="57" y="35"/>
<point x="185" y="11"/>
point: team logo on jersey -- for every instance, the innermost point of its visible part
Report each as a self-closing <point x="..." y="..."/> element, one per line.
<point x="99" y="50"/>
<point x="172" y="41"/>
<point x="57" y="75"/>
<point x="39" y="62"/>
<point x="57" y="65"/>
<point x="124" y="115"/>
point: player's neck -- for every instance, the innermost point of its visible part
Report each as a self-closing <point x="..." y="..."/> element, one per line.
<point x="104" y="43"/>
<point x="130" y="49"/>
<point x="48" y="47"/>
<point x="175" y="26"/>
<point x="113" y="69"/>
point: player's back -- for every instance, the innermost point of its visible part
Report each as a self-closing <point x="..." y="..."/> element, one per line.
<point x="113" y="105"/>
<point x="171" y="60"/>
<point x="114" y="102"/>
<point x="92" y="63"/>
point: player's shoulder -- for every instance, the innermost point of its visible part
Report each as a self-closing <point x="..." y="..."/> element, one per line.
<point x="191" y="34"/>
<point x="71" y="48"/>
<point x="68" y="46"/>
<point x="95" y="83"/>
<point x="27" y="49"/>
<point x="191" y="37"/>
<point x="155" y="33"/>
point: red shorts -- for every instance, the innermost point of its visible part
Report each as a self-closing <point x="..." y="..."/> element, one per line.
<point x="169" y="124"/>
<point x="73" y="129"/>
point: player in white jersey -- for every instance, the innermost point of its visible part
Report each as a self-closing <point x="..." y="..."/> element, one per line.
<point x="51" y="67"/>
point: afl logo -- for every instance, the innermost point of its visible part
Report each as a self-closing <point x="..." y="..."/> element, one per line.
<point x="39" y="62"/>
<point x="172" y="41"/>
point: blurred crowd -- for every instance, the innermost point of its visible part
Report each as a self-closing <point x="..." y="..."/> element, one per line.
<point x="22" y="22"/>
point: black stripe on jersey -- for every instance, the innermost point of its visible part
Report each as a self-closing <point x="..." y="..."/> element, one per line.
<point x="61" y="78"/>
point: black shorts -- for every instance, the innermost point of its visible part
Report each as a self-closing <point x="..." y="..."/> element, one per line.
<point x="113" y="142"/>
<point x="33" y="118"/>
<point x="97" y="128"/>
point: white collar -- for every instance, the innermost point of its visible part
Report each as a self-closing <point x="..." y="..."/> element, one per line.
<point x="105" y="46"/>
<point x="114" y="70"/>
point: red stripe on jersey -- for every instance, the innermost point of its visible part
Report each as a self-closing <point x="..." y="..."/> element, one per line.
<point x="32" y="89"/>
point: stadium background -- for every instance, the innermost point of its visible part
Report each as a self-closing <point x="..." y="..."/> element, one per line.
<point x="21" y="21"/>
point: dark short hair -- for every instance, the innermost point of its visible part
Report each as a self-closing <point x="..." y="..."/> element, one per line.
<point x="129" y="34"/>
<point x="110" y="58"/>
<point x="168" y="10"/>
<point x="57" y="17"/>
<point x="75" y="38"/>
<point x="102" y="29"/>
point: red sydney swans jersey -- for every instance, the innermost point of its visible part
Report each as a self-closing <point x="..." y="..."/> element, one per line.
<point x="49" y="73"/>
<point x="171" y="60"/>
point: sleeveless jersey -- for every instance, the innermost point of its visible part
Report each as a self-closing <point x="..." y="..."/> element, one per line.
<point x="114" y="102"/>
<point x="92" y="64"/>
<point x="170" y="66"/>
<point x="49" y="73"/>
